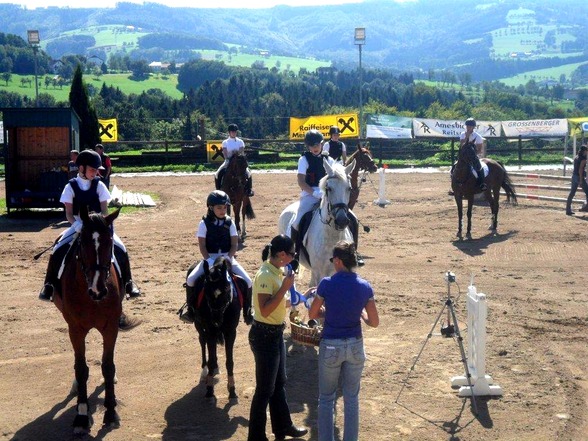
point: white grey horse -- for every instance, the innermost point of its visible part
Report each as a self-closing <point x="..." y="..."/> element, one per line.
<point x="330" y="223"/>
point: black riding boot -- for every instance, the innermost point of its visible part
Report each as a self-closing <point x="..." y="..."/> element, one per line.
<point x="51" y="279"/>
<point x="187" y="314"/>
<point x="297" y="242"/>
<point x="124" y="264"/>
<point x="354" y="227"/>
<point x="218" y="179"/>
<point x="480" y="180"/>
<point x="248" y="308"/>
<point x="249" y="187"/>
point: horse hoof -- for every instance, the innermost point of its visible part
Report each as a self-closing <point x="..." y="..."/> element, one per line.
<point x="111" y="419"/>
<point x="82" y="424"/>
<point x="468" y="236"/>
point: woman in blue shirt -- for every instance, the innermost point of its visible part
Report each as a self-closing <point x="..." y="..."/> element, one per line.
<point x="347" y="299"/>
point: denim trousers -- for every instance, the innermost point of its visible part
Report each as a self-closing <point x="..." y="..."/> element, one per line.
<point x="339" y="359"/>
<point x="269" y="351"/>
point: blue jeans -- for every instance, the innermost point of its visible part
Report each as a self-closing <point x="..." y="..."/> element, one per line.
<point x="269" y="351"/>
<point x="339" y="358"/>
<point x="575" y="183"/>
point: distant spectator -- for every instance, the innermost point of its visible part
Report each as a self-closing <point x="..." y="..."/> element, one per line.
<point x="578" y="179"/>
<point x="106" y="165"/>
<point x="72" y="167"/>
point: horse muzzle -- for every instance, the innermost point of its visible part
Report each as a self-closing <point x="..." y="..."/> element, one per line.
<point x="341" y="219"/>
<point x="97" y="295"/>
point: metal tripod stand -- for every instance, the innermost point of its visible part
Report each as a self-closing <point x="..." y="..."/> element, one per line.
<point x="448" y="331"/>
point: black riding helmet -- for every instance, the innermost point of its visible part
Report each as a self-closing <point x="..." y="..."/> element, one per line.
<point x="89" y="158"/>
<point x="218" y="197"/>
<point x="313" y="137"/>
<point x="233" y="127"/>
<point x="334" y="130"/>
<point x="470" y="122"/>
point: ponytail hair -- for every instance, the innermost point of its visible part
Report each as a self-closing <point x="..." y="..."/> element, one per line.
<point x="277" y="244"/>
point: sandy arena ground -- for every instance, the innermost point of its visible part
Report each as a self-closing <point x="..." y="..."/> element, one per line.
<point x="533" y="273"/>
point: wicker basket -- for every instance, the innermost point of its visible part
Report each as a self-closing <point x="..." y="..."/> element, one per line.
<point x="304" y="335"/>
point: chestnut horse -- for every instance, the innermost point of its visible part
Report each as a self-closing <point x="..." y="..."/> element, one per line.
<point x="364" y="163"/>
<point x="220" y="296"/>
<point x="91" y="297"/>
<point x="234" y="185"/>
<point x="464" y="186"/>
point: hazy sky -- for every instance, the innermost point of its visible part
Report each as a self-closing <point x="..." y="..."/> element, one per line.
<point x="31" y="4"/>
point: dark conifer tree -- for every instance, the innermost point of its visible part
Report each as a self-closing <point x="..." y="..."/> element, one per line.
<point x="80" y="102"/>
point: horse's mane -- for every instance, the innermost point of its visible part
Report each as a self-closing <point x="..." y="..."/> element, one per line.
<point x="354" y="154"/>
<point x="97" y="220"/>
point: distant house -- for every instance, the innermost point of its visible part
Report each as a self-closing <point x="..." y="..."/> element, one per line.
<point x="158" y="66"/>
<point x="265" y="54"/>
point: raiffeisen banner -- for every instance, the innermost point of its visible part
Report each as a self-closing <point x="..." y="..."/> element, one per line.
<point x="436" y="128"/>
<point x="348" y="125"/>
<point x="537" y="128"/>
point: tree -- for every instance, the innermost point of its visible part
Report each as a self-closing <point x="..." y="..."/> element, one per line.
<point x="6" y="77"/>
<point x="80" y="102"/>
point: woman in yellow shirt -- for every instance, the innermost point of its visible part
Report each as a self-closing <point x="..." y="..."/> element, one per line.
<point x="267" y="343"/>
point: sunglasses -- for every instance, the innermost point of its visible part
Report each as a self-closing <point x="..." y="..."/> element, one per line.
<point x="334" y="257"/>
<point x="290" y="253"/>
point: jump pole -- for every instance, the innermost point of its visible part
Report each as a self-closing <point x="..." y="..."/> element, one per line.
<point x="536" y="176"/>
<point x="482" y="384"/>
<point x="543" y="198"/>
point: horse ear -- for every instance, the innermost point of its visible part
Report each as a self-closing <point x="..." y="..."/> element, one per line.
<point x="350" y="167"/>
<point x="112" y="216"/>
<point x="328" y="167"/>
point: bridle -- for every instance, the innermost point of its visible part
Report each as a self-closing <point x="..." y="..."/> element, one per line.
<point x="332" y="209"/>
<point x="103" y="268"/>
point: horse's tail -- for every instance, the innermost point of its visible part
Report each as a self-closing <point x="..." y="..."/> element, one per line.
<point x="249" y="213"/>
<point x="509" y="188"/>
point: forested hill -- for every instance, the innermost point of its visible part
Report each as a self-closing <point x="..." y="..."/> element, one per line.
<point x="488" y="39"/>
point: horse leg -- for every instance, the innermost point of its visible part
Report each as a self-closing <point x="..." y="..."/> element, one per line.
<point x="212" y="367"/>
<point x="494" y="204"/>
<point x="243" y="217"/>
<point x="230" y="337"/>
<point x="237" y="214"/>
<point x="111" y="418"/>
<point x="204" y="362"/>
<point x="459" y="203"/>
<point x="469" y="214"/>
<point x="82" y="421"/>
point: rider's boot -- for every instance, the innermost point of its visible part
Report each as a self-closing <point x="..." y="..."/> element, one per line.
<point x="480" y="180"/>
<point x="354" y="227"/>
<point x="249" y="186"/>
<point x="248" y="308"/>
<point x="131" y="288"/>
<point x="187" y="314"/>
<point x="51" y="277"/>
<point x="217" y="183"/>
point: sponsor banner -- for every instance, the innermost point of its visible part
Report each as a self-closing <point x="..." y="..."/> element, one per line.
<point x="436" y="128"/>
<point x="536" y="128"/>
<point x="388" y="126"/>
<point x="348" y="125"/>
<point x="214" y="151"/>
<point x="108" y="130"/>
<point x="578" y="125"/>
<point x="1" y="132"/>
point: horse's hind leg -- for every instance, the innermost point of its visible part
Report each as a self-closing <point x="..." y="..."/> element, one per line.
<point x="82" y="421"/>
<point x="111" y="417"/>
<point x="494" y="204"/>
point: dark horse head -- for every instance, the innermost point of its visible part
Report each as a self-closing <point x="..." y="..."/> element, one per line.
<point x="237" y="171"/>
<point x="95" y="251"/>
<point x="364" y="160"/>
<point x="218" y="291"/>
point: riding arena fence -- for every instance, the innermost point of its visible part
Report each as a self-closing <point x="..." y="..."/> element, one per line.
<point x="543" y="187"/>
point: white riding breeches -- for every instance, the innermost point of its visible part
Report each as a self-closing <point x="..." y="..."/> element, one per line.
<point x="199" y="270"/>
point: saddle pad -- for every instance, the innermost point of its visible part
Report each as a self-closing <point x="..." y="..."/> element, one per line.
<point x="484" y="169"/>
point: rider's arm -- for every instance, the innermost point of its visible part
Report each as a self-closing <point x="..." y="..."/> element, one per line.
<point x="202" y="246"/>
<point x="302" y="183"/>
<point x="69" y="212"/>
<point x="104" y="208"/>
<point x="234" y="246"/>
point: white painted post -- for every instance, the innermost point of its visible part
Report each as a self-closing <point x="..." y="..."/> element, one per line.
<point x="382" y="201"/>
<point x="482" y="383"/>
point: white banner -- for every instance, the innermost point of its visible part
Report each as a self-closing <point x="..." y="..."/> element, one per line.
<point x="388" y="126"/>
<point x="436" y="128"/>
<point x="536" y="128"/>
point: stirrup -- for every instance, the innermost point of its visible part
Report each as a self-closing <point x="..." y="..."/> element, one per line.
<point x="132" y="289"/>
<point x="186" y="314"/>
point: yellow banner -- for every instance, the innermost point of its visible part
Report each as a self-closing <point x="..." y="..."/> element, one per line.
<point x="214" y="151"/>
<point x="348" y="125"/>
<point x="576" y="125"/>
<point x="108" y="131"/>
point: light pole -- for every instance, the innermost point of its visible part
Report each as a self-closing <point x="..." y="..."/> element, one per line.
<point x="360" y="41"/>
<point x="34" y="41"/>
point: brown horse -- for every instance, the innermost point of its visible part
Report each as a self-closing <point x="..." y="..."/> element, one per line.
<point x="234" y="185"/>
<point x="464" y="185"/>
<point x="91" y="297"/>
<point x="364" y="163"/>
